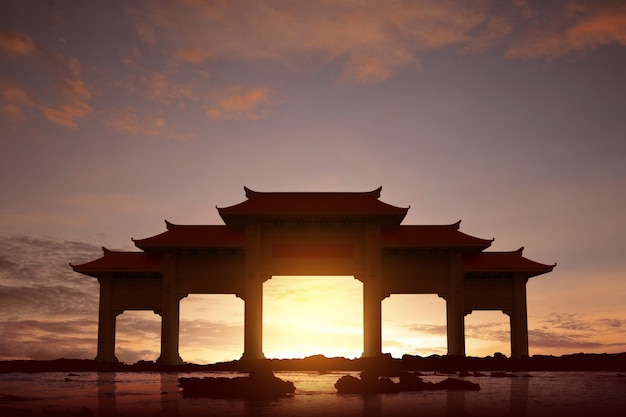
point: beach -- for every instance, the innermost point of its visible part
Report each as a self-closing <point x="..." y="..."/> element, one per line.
<point x="103" y="394"/>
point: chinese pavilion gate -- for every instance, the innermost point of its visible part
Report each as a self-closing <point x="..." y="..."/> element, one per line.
<point x="311" y="234"/>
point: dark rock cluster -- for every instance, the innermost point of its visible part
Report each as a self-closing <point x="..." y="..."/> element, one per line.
<point x="370" y="383"/>
<point x="258" y="385"/>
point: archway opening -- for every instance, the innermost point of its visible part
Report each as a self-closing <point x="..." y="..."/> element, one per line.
<point x="414" y="324"/>
<point x="311" y="315"/>
<point x="137" y="336"/>
<point x="487" y="332"/>
<point x="211" y="328"/>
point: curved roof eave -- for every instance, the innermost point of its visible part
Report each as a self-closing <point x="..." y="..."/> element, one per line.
<point x="293" y="204"/>
<point x="120" y="261"/>
<point x="506" y="262"/>
<point x="176" y="235"/>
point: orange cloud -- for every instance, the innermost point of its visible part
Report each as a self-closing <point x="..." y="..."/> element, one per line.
<point x="13" y="93"/>
<point x="76" y="94"/>
<point x="370" y="39"/>
<point x="128" y="122"/>
<point x="161" y="89"/>
<point x="237" y="102"/>
<point x="16" y="43"/>
<point x="16" y="102"/>
<point x="158" y="86"/>
<point x="193" y="55"/>
<point x="13" y="113"/>
<point x="573" y="27"/>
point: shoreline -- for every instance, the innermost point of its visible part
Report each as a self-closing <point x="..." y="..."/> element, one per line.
<point x="384" y="365"/>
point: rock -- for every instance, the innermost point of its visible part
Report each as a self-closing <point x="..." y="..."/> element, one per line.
<point x="369" y="383"/>
<point x="258" y="385"/>
<point x="457" y="384"/>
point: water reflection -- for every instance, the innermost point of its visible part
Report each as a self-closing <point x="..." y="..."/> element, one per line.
<point x="106" y="394"/>
<point x="519" y="397"/>
<point x="170" y="404"/>
<point x="504" y="396"/>
<point x="455" y="403"/>
<point x="373" y="405"/>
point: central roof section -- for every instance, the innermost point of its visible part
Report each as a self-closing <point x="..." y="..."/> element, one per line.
<point x="348" y="205"/>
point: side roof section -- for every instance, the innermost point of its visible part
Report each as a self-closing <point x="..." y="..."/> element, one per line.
<point x="119" y="261"/>
<point x="499" y="262"/>
<point x="196" y="236"/>
<point x="431" y="236"/>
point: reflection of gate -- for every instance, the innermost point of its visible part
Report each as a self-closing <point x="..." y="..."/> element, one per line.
<point x="311" y="234"/>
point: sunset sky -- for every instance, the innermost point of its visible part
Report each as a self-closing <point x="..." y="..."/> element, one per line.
<point x="117" y="115"/>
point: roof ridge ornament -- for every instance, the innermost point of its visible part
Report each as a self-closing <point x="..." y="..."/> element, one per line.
<point x="251" y="193"/>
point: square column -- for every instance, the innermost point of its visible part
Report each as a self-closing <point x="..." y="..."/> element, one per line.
<point x="372" y="318"/>
<point x="107" y="318"/>
<point x="372" y="292"/>
<point x="253" y="319"/>
<point x="170" y="314"/>
<point x="253" y="295"/>
<point x="455" y="307"/>
<point x="519" y="319"/>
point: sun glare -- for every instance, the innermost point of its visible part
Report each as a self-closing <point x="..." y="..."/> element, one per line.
<point x="310" y="315"/>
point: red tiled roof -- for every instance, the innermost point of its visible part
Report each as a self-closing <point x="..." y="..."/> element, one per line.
<point x="316" y="203"/>
<point x="194" y="236"/>
<point x="113" y="261"/>
<point x="431" y="236"/>
<point x="505" y="262"/>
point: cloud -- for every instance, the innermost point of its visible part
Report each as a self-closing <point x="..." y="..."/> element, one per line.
<point x="560" y="333"/>
<point x="72" y="94"/>
<point x="17" y="102"/>
<point x="371" y="40"/>
<point x="126" y="120"/>
<point x="157" y="86"/>
<point x="16" y="43"/>
<point x="13" y="113"/>
<point x="75" y="94"/>
<point x="240" y="103"/>
<point x="434" y="329"/>
<point x="48" y="339"/>
<point x="567" y="27"/>
<point x="193" y="55"/>
<point x="48" y="310"/>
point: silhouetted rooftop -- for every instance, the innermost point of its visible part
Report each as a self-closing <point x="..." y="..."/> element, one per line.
<point x="117" y="261"/>
<point x="319" y="204"/>
<point x="505" y="262"/>
<point x="431" y="236"/>
<point x="194" y="236"/>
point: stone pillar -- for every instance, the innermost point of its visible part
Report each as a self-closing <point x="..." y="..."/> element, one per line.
<point x="106" y="322"/>
<point x="455" y="307"/>
<point x="372" y="318"/>
<point x="253" y="319"/>
<point x="170" y="313"/>
<point x="519" y="319"/>
<point x="253" y="295"/>
<point x="372" y="293"/>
